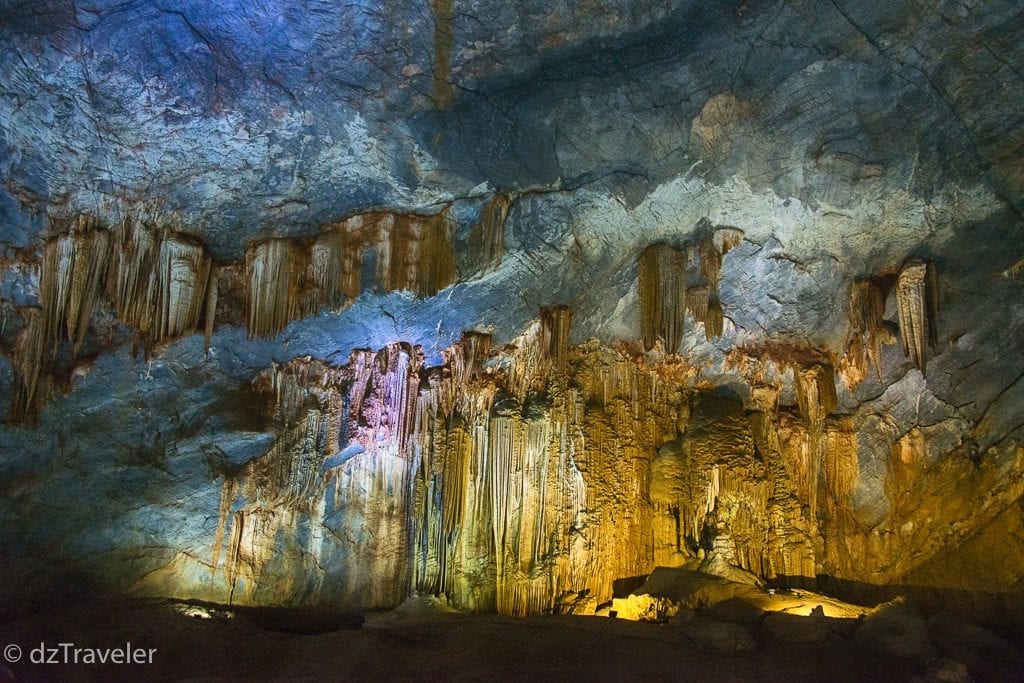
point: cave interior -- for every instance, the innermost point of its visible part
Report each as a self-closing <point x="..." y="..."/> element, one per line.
<point x="468" y="339"/>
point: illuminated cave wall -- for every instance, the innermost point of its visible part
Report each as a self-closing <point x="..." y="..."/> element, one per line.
<point x="317" y="304"/>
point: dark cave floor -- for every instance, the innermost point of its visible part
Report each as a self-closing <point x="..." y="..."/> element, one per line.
<point x="196" y="642"/>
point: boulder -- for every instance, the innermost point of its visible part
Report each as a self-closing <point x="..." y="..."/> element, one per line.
<point x="898" y="629"/>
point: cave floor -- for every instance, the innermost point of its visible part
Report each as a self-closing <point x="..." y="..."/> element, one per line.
<point x="192" y="642"/>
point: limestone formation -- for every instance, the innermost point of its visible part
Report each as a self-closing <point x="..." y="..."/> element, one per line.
<point x="917" y="298"/>
<point x="867" y="330"/>
<point x="504" y="493"/>
<point x="662" y="296"/>
<point x="157" y="281"/>
<point x="487" y="242"/>
<point x="507" y="305"/>
<point x="290" y="279"/>
<point x="673" y="282"/>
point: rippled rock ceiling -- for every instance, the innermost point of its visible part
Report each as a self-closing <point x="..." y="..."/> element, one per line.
<point x="325" y="303"/>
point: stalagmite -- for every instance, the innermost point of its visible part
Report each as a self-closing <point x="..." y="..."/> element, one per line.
<point x="917" y="299"/>
<point x="662" y="296"/>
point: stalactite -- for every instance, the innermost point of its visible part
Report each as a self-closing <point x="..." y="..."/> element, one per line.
<point x="816" y="398"/>
<point x="917" y="299"/>
<point x="710" y="259"/>
<point x="708" y="254"/>
<point x="132" y="281"/>
<point x="465" y="479"/>
<point x="288" y="279"/>
<point x="816" y="392"/>
<point x="697" y="302"/>
<point x="326" y="273"/>
<point x="554" y="336"/>
<point x="662" y="297"/>
<point x="867" y="331"/>
<point x="183" y="269"/>
<point x="159" y="281"/>
<point x="714" y="320"/>
<point x="841" y="467"/>
<point x="210" y="314"/>
<point x="436" y="267"/>
<point x="157" y="284"/>
<point x="673" y="280"/>
<point x="726" y="239"/>
<point x="487" y="241"/>
<point x="30" y="360"/>
<point x="271" y="270"/>
<point x="74" y="271"/>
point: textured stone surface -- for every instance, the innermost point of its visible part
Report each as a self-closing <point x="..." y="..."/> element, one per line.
<point x="838" y="141"/>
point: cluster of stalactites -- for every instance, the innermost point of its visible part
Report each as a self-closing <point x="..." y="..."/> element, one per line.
<point x="156" y="280"/>
<point x="815" y="393"/>
<point x="487" y="241"/>
<point x="510" y="504"/>
<point x="662" y="296"/>
<point x="816" y="398"/>
<point x="554" y="326"/>
<point x="867" y="330"/>
<point x="287" y="279"/>
<point x="466" y="359"/>
<point x="540" y="354"/>
<point x="918" y="303"/>
<point x="673" y="282"/>
<point x="73" y="273"/>
<point x="159" y="283"/>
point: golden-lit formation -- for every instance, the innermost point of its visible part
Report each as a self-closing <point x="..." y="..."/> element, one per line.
<point x="487" y="242"/>
<point x="524" y="480"/>
<point x="289" y="279"/>
<point x="673" y="282"/>
<point x="164" y="284"/>
<point x="867" y="331"/>
<point x="917" y="296"/>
